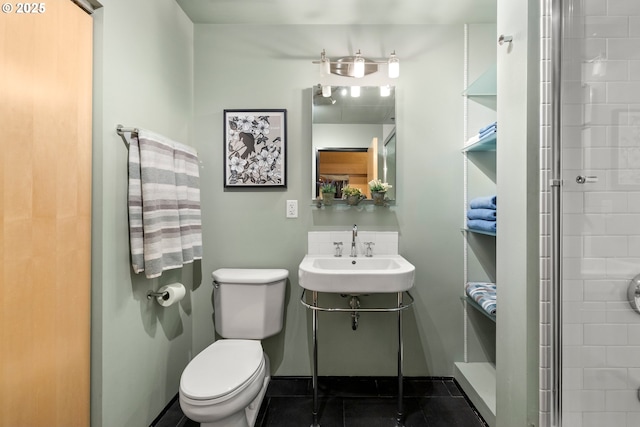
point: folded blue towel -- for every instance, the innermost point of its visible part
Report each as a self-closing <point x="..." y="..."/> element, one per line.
<point x="479" y="213"/>
<point x="489" y="126"/>
<point x="487" y="133"/>
<point x="486" y="202"/>
<point x="481" y="225"/>
<point x="484" y="294"/>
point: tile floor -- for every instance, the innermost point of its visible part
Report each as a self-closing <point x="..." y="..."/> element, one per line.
<point x="355" y="402"/>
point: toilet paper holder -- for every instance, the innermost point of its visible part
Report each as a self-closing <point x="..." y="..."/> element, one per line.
<point x="152" y="294"/>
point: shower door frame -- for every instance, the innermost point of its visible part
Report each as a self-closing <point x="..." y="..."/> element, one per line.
<point x="562" y="31"/>
<point x="555" y="185"/>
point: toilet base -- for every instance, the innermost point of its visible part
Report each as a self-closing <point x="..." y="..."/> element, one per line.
<point x="246" y="418"/>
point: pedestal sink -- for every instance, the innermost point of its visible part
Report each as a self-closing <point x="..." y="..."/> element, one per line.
<point x="356" y="275"/>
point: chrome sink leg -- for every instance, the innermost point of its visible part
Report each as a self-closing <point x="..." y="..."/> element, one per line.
<point x="315" y="360"/>
<point x="400" y="416"/>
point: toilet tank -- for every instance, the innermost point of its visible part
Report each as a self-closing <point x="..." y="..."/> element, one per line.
<point x="249" y="303"/>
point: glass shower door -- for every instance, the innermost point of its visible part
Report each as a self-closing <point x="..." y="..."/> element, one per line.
<point x="600" y="205"/>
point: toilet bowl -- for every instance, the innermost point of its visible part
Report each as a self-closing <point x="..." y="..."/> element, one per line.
<point x="224" y="385"/>
<point x="220" y="384"/>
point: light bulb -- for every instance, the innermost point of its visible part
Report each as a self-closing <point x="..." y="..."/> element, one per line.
<point x="358" y="66"/>
<point x="355" y="91"/>
<point x="325" y="65"/>
<point x="385" y="90"/>
<point x="326" y="91"/>
<point x="394" y="66"/>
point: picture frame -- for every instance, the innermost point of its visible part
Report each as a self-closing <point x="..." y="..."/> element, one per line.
<point x="255" y="148"/>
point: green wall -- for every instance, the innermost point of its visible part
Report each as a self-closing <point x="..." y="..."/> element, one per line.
<point x="143" y="77"/>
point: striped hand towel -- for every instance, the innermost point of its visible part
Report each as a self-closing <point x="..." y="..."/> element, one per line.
<point x="164" y="204"/>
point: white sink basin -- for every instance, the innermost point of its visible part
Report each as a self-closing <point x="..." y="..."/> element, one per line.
<point x="359" y="275"/>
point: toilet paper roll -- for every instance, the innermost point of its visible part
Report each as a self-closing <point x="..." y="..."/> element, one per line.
<point x="171" y="294"/>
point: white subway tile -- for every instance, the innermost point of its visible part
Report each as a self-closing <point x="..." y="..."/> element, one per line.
<point x="605" y="202"/>
<point x="572" y="379"/>
<point x="601" y="419"/>
<point x="595" y="7"/>
<point x="584" y="356"/>
<point x="623" y="92"/>
<point x="634" y="70"/>
<point x="606" y="26"/>
<point x="605" y="378"/>
<point x="622" y="400"/>
<point x="622" y="268"/>
<point x="584" y="400"/>
<point x="604" y="290"/>
<point x="622" y="224"/>
<point x="605" y="114"/>
<point x="584" y="268"/>
<point x="623" y="357"/>
<point x="614" y="334"/>
<point x="604" y="70"/>
<point x="634" y="334"/>
<point x="572" y="290"/>
<point x="627" y="49"/>
<point x="605" y="246"/>
<point x="623" y="7"/>
<point x="573" y="334"/>
<point x="621" y="311"/>
<point x="588" y="224"/>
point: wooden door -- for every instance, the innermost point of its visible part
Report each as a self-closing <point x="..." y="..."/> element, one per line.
<point x="372" y="162"/>
<point x="45" y="215"/>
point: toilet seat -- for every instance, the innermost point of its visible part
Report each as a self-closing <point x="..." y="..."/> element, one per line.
<point x="222" y="370"/>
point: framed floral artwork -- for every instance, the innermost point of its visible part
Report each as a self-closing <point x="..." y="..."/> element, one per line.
<point x="255" y="148"/>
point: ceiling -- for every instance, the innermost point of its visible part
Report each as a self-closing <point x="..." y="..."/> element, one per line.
<point x="339" y="12"/>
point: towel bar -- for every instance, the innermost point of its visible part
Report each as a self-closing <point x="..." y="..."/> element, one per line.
<point x="121" y="130"/>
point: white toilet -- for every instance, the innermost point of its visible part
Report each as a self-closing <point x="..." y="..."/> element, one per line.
<point x="223" y="386"/>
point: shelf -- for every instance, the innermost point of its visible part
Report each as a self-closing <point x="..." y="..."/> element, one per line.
<point x="342" y="205"/>
<point x="486" y="233"/>
<point x="485" y="144"/>
<point x="478" y="307"/>
<point x="478" y="380"/>
<point x="485" y="85"/>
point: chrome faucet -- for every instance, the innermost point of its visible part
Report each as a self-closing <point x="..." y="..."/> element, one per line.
<point x="354" y="234"/>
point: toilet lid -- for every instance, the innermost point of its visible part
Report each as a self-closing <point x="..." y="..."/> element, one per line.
<point x="221" y="368"/>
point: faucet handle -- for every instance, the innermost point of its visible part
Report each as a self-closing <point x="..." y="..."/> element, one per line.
<point x="368" y="249"/>
<point x="338" y="246"/>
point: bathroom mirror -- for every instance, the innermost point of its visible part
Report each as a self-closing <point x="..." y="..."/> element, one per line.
<point x="353" y="138"/>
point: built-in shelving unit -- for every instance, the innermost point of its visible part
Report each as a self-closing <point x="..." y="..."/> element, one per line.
<point x="476" y="373"/>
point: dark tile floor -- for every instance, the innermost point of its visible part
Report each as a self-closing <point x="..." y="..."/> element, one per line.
<point x="355" y="402"/>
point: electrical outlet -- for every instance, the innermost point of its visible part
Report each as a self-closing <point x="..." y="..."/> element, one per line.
<point x="292" y="209"/>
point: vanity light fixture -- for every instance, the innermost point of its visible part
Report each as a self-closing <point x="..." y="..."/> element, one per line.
<point x="385" y="90"/>
<point x="355" y="91"/>
<point x="326" y="91"/>
<point x="357" y="66"/>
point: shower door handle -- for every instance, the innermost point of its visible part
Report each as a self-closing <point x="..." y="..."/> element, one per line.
<point x="582" y="179"/>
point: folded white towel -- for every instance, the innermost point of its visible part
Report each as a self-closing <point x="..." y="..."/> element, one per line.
<point x="164" y="204"/>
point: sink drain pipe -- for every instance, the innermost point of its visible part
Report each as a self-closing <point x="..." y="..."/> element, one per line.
<point x="354" y="303"/>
